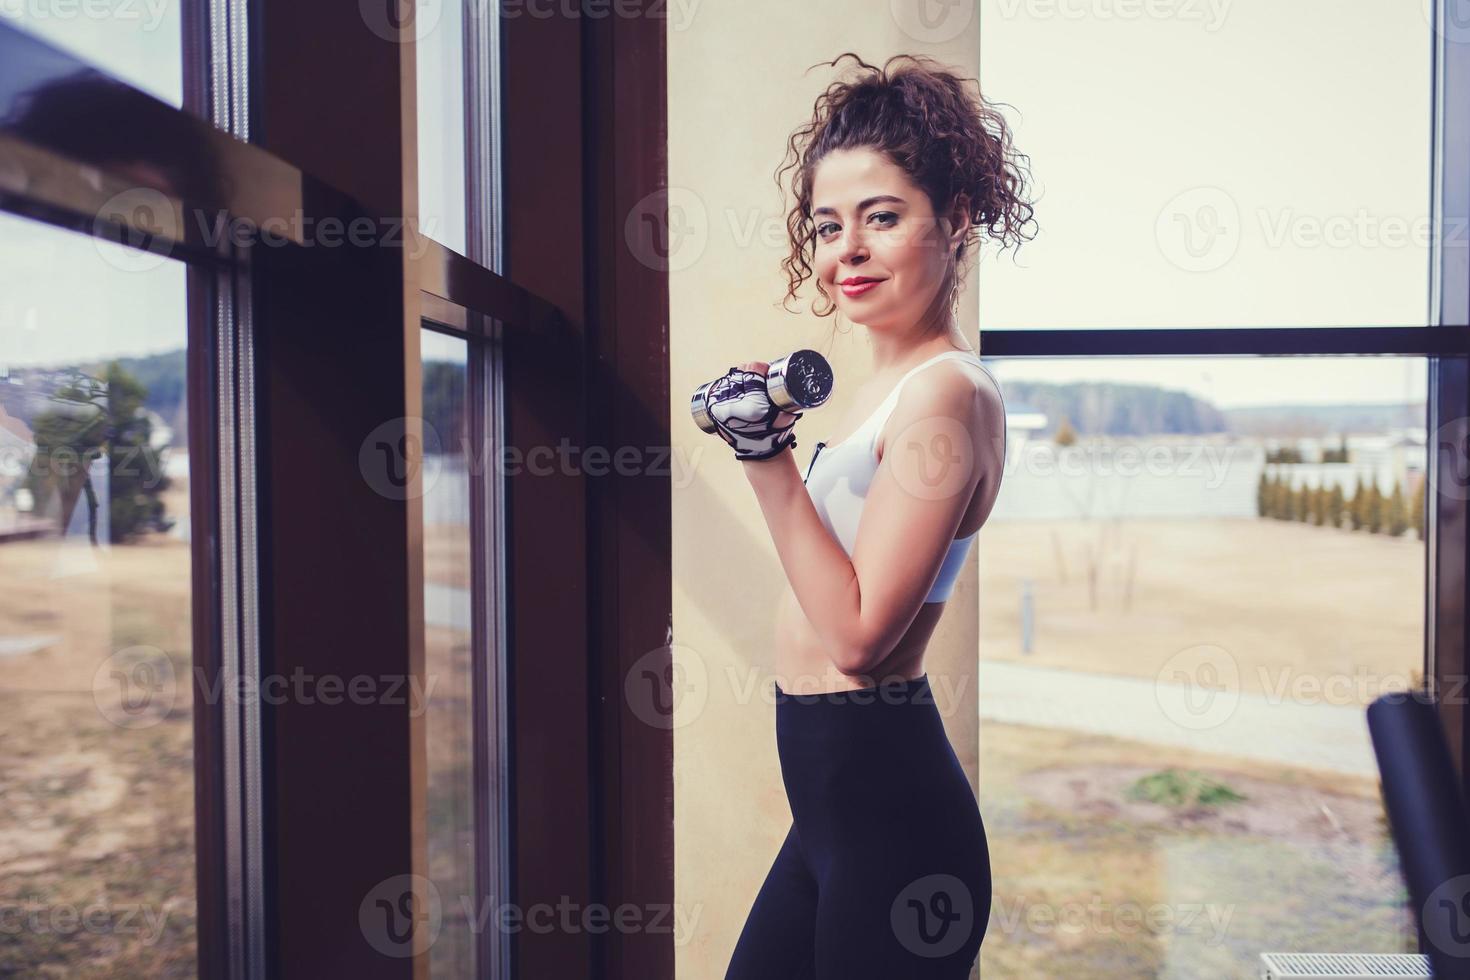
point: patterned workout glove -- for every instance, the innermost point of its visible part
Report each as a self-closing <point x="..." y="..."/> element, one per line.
<point x="745" y="416"/>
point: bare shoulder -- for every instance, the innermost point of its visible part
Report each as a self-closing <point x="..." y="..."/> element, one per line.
<point x="946" y="396"/>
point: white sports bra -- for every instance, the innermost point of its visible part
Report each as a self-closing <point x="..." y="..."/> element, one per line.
<point x="839" y="487"/>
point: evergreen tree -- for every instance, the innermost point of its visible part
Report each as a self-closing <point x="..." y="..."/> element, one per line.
<point x="1417" y="514"/>
<point x="1376" y="508"/>
<point x="1335" y="506"/>
<point x="1358" y="510"/>
<point x="1397" y="513"/>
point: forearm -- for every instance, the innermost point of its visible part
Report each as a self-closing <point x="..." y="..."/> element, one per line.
<point x="821" y="575"/>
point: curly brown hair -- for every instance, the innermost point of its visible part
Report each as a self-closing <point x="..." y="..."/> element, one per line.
<point x="949" y="139"/>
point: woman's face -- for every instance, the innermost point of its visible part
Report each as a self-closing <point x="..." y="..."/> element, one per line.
<point x="871" y="222"/>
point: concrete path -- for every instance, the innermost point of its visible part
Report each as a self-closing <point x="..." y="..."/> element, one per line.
<point x="1314" y="736"/>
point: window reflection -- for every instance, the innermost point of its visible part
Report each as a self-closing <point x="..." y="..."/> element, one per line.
<point x="140" y="43"/>
<point x="97" y="874"/>
<point x="1197" y="576"/>
<point x="448" y="656"/>
<point x="441" y="115"/>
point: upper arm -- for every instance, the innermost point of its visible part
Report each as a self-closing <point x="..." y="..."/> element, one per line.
<point x="938" y="449"/>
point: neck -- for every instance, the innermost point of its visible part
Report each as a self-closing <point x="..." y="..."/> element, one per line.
<point x="900" y="352"/>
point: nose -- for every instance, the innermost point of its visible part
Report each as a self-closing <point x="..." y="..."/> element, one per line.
<point x="853" y="249"/>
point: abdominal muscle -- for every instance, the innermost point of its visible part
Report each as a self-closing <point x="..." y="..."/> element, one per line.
<point x="803" y="665"/>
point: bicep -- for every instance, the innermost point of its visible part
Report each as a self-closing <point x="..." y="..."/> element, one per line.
<point x="935" y="457"/>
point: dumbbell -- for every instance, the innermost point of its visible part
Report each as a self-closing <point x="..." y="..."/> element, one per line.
<point x="797" y="381"/>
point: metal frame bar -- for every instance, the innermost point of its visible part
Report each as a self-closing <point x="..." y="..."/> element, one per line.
<point x="1430" y="341"/>
<point x="1447" y="532"/>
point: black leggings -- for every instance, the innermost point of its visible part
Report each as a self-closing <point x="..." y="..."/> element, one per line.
<point x="885" y="872"/>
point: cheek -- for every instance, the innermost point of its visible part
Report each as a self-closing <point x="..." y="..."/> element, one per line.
<point x="824" y="265"/>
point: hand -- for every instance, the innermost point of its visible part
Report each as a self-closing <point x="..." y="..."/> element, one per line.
<point x="744" y="415"/>
<point x="762" y="368"/>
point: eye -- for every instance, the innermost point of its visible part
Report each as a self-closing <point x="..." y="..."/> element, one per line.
<point x="881" y="214"/>
<point x="825" y="224"/>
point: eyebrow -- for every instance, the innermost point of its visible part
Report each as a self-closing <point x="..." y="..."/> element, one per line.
<point x="864" y="204"/>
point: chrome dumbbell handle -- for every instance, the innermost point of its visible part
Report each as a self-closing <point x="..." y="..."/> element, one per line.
<point x="795" y="382"/>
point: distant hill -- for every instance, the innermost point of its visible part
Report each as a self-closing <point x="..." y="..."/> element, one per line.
<point x="162" y="374"/>
<point x="1093" y="408"/>
<point x="1113" y="409"/>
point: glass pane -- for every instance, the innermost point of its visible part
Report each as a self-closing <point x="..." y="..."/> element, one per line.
<point x="96" y="715"/>
<point x="140" y="43"/>
<point x="448" y="657"/>
<point x="441" y="77"/>
<point x="1197" y="576"/>
<point x="1215" y="164"/>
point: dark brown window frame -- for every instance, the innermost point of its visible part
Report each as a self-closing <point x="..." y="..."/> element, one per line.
<point x="330" y="345"/>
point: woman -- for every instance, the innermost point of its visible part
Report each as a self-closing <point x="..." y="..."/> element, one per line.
<point x="885" y="870"/>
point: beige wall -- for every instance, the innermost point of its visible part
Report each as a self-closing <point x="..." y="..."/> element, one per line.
<point x="736" y="90"/>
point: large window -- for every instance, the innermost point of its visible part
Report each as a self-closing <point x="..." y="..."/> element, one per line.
<point x="1202" y="569"/>
<point x="97" y="859"/>
<point x="1246" y="164"/>
<point x="449" y="666"/>
<point x="1197" y="576"/>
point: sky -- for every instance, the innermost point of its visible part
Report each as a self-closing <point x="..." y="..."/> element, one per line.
<point x="1192" y="163"/>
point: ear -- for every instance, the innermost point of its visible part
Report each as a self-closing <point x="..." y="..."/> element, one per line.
<point x="959" y="220"/>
